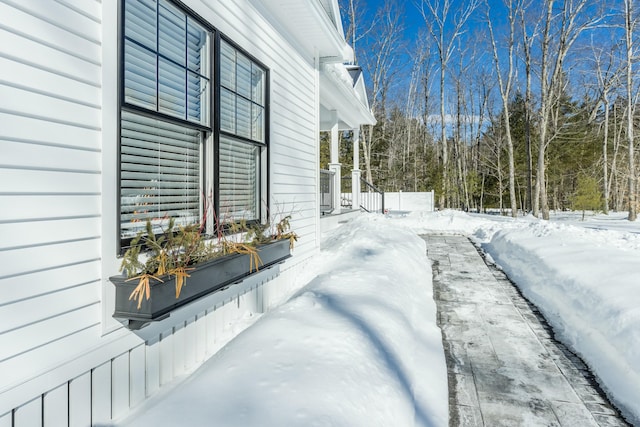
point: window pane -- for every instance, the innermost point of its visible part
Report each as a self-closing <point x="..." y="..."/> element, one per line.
<point x="257" y="85"/>
<point x="257" y="124"/>
<point x="197" y="48"/>
<point x="243" y="81"/>
<point x="139" y="76"/>
<point x="227" y="66"/>
<point x="239" y="175"/>
<point x="140" y="22"/>
<point x="243" y="117"/>
<point x="166" y="60"/>
<point x="172" y="84"/>
<point x="172" y="35"/>
<point x="160" y="173"/>
<point x="227" y="111"/>
<point x="243" y="94"/>
<point x="197" y="98"/>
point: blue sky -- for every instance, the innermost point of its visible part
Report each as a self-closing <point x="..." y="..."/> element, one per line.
<point x="476" y="37"/>
<point x="412" y="17"/>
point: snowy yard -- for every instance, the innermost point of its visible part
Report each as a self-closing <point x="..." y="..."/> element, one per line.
<point x="359" y="345"/>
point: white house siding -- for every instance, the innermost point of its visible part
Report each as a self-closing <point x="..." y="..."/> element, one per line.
<point x="62" y="362"/>
<point x="50" y="154"/>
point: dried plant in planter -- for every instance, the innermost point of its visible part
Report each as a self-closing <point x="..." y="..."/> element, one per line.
<point x="283" y="231"/>
<point x="172" y="253"/>
<point x="177" y="250"/>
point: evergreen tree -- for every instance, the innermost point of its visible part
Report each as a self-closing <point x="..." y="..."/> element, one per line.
<point x="587" y="195"/>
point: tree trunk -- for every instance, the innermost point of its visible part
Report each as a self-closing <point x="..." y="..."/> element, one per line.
<point x="605" y="160"/>
<point x="629" y="27"/>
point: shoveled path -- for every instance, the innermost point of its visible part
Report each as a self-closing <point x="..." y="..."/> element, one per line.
<point x="504" y="367"/>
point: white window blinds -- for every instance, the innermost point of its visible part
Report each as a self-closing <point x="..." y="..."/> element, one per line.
<point x="239" y="174"/>
<point x="159" y="173"/>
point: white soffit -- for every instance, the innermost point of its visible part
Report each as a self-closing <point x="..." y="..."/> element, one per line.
<point x="337" y="92"/>
<point x="312" y="25"/>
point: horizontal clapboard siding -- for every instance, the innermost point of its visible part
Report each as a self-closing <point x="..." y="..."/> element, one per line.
<point x="50" y="193"/>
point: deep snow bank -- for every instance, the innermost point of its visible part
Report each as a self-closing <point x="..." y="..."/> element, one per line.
<point x="358" y="346"/>
<point x="587" y="284"/>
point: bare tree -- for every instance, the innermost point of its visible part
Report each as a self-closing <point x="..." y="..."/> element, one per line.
<point x="505" y="84"/>
<point x="491" y="160"/>
<point x="437" y="15"/>
<point x="357" y="28"/>
<point x="419" y="73"/>
<point x="529" y="35"/>
<point x="607" y="79"/>
<point x="630" y="22"/>
<point x="558" y="36"/>
<point x="381" y="63"/>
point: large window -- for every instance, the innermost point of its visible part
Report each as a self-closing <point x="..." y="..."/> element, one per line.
<point x="165" y="115"/>
<point x="242" y="128"/>
<point x="168" y="165"/>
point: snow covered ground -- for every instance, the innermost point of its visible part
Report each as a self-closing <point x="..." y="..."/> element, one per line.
<point x="583" y="275"/>
<point x="359" y="344"/>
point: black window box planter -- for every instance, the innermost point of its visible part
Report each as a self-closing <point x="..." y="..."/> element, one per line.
<point x="204" y="279"/>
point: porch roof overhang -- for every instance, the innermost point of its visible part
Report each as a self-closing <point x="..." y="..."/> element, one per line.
<point x="339" y="93"/>
<point x="314" y="25"/>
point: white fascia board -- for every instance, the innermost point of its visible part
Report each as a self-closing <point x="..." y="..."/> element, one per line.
<point x="337" y="95"/>
<point x="336" y="13"/>
<point x="322" y="34"/>
<point x="333" y="32"/>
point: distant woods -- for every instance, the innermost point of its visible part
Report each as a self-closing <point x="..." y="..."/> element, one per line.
<point x="517" y="105"/>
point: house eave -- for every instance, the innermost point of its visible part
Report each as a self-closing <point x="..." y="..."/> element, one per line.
<point x="337" y="93"/>
<point x="309" y="24"/>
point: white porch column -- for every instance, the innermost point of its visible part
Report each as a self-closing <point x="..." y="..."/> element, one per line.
<point x="355" y="173"/>
<point x="335" y="165"/>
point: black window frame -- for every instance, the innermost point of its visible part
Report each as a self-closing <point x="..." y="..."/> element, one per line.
<point x="264" y="175"/>
<point x="211" y="132"/>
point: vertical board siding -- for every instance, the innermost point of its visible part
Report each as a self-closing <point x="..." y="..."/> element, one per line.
<point x="212" y="331"/>
<point x="179" y="350"/>
<point x="80" y="401"/>
<point x="101" y="394"/>
<point x="120" y="385"/>
<point x="56" y="407"/>
<point x="166" y="357"/>
<point x="190" y="344"/>
<point x="137" y="376"/>
<point x="152" y="371"/>
<point x="29" y="414"/>
<point x="201" y="338"/>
